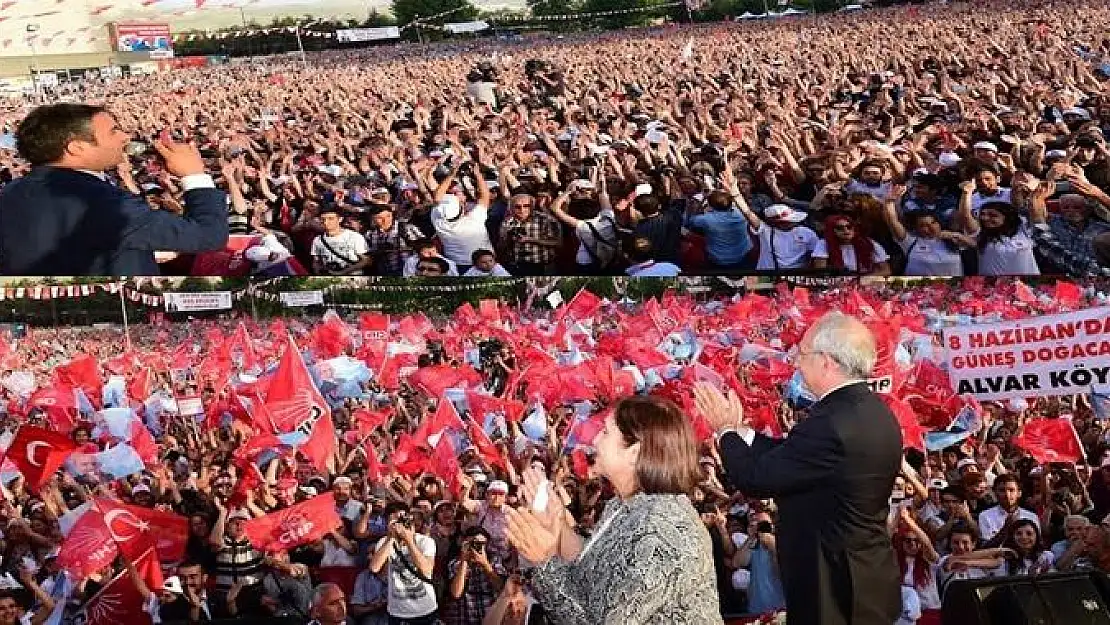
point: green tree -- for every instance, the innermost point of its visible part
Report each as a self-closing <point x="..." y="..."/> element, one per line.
<point x="406" y="11"/>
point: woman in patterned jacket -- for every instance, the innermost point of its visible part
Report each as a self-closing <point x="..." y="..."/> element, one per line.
<point x="650" y="559"/>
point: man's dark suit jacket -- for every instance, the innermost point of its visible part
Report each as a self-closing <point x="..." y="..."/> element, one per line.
<point x="64" y="222"/>
<point x="831" y="478"/>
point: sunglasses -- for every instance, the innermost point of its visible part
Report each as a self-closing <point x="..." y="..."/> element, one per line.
<point x="842" y="227"/>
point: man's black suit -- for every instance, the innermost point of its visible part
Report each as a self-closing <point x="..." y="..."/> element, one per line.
<point x="831" y="478"/>
<point x="63" y="222"/>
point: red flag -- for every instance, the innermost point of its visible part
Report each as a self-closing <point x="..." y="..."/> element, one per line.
<point x="136" y="529"/>
<point x="1024" y="293"/>
<point x="60" y="405"/>
<point x="38" y="453"/>
<point x="84" y="373"/>
<point x="294" y="403"/>
<point x="118" y="602"/>
<point x="481" y="405"/>
<point x="1050" y="440"/>
<point x="445" y="418"/>
<point x="139" y="388"/>
<point x="466" y="315"/>
<point x="486" y="449"/>
<point x="583" y="305"/>
<point x="436" y="379"/>
<point x="1068" y="294"/>
<point x="143" y="443"/>
<point x="445" y="464"/>
<point x="242" y="343"/>
<point x="366" y="421"/>
<point x="331" y="338"/>
<point x="374" y="327"/>
<point x="913" y="434"/>
<point x="303" y="523"/>
<point x="88" y="547"/>
<point x="579" y="464"/>
<point x="374" y="470"/>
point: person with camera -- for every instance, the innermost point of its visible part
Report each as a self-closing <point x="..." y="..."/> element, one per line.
<point x="759" y="555"/>
<point x="390" y="240"/>
<point x="409" y="558"/>
<point x="459" y="222"/>
<point x="474" y="580"/>
<point x="481" y="84"/>
<point x="528" y="238"/>
<point x="339" y="251"/>
<point x="66" y="219"/>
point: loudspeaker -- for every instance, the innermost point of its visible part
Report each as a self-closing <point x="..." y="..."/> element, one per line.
<point x="1056" y="599"/>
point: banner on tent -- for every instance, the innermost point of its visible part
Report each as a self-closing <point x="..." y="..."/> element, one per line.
<point x="301" y="298"/>
<point x="189" y="302"/>
<point x="456" y="28"/>
<point x="1038" y="357"/>
<point x="355" y="35"/>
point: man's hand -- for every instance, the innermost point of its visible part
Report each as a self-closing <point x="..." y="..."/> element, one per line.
<point x="182" y="159"/>
<point x="721" y="412"/>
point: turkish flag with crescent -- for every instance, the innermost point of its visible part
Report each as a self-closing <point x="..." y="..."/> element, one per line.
<point x="303" y="523"/>
<point x="136" y="529"/>
<point x="38" y="453"/>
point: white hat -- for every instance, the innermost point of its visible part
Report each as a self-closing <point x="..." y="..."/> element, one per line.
<point x="173" y="584"/>
<point x="938" y="484"/>
<point x="949" y="159"/>
<point x="309" y="490"/>
<point x="240" y="514"/>
<point x="966" y="462"/>
<point x="782" y="212"/>
<point x="1056" y="154"/>
<point x="140" y="488"/>
<point x="643" y="189"/>
<point x="655" y="135"/>
<point x="342" y="480"/>
<point x="1079" y="112"/>
<point x="497" y="486"/>
<point x="985" y="145"/>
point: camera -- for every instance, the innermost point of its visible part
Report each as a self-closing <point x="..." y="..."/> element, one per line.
<point x="476" y="548"/>
<point x="405" y="519"/>
<point x="489" y="349"/>
<point x="764" y="527"/>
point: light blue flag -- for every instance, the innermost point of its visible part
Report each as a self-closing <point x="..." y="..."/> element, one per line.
<point x="84" y="406"/>
<point x="535" y="425"/>
<point x="1100" y="404"/>
<point x="294" y="438"/>
<point x="117" y="421"/>
<point x="796" y="394"/>
<point x="114" y="393"/>
<point x="936" y="441"/>
<point x="119" y="461"/>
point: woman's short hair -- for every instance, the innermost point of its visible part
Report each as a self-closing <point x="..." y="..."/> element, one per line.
<point x="668" y="461"/>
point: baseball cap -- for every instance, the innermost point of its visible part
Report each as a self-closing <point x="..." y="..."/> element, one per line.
<point x="140" y="488"/>
<point x="240" y="514"/>
<point x="782" y="212"/>
<point x="985" y="145"/>
<point x="948" y="159"/>
<point x="342" y="480"/>
<point x="497" y="486"/>
<point x="966" y="462"/>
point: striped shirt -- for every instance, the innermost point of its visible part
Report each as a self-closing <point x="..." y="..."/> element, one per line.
<point x="238" y="560"/>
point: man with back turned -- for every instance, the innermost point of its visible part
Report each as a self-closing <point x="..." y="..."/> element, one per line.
<point x="831" y="477"/>
<point x="65" y="218"/>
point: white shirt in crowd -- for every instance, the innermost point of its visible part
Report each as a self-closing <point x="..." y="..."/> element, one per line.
<point x="911" y="607"/>
<point x="931" y="257"/>
<point x="978" y="199"/>
<point x="971" y="572"/>
<point x="792" y="248"/>
<point x="409" y="270"/>
<point x="879" y="192"/>
<point x="334" y="555"/>
<point x="351" y="510"/>
<point x="349" y="247"/>
<point x="928" y="594"/>
<point x="1042" y="564"/>
<point x="991" y="520"/>
<point x="606" y="226"/>
<point x="463" y="236"/>
<point x="1009" y="256"/>
<point x="497" y="272"/>
<point x="409" y="596"/>
<point x="848" y="254"/>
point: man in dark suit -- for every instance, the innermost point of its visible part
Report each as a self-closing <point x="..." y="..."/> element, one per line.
<point x="831" y="478"/>
<point x="65" y="219"/>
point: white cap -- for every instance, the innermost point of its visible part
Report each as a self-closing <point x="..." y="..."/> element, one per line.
<point x="309" y="490"/>
<point x="655" y="135"/>
<point x="643" y="189"/>
<point x="985" y="145"/>
<point x="1056" y="154"/>
<point x="1080" y="112"/>
<point x="497" y="486"/>
<point x="140" y="488"/>
<point x="240" y="514"/>
<point x="782" y="212"/>
<point x="966" y="462"/>
<point x="949" y="159"/>
<point x="938" y="484"/>
<point x="342" y="480"/>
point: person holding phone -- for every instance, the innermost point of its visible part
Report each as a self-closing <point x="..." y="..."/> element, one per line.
<point x="474" y="580"/>
<point x="66" y="218"/>
<point x="759" y="555"/>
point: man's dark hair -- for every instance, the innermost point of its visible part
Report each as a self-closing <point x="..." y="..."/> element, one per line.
<point x="475" y="530"/>
<point x="189" y="563"/>
<point x="1006" y="478"/>
<point x="423" y="244"/>
<point x="719" y="200"/>
<point x="478" y="254"/>
<point x="641" y="250"/>
<point x="330" y="208"/>
<point x="437" y="261"/>
<point x="43" y="135"/>
<point x="395" y="506"/>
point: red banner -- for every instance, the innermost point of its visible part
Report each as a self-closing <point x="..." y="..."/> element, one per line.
<point x="292" y="527"/>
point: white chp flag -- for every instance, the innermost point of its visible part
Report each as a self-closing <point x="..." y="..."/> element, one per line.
<point x="688" y="49"/>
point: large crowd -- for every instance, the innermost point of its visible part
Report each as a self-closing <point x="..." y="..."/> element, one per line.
<point x="952" y="139"/>
<point x="329" y="468"/>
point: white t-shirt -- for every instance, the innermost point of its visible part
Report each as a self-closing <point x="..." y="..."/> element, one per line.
<point x="605" y="224"/>
<point x="848" y="253"/>
<point x="462" y="236"/>
<point x="497" y="272"/>
<point x="927" y="594"/>
<point x="792" y="248"/>
<point x="978" y="200"/>
<point x="1009" y="256"/>
<point x="350" y="245"/>
<point x="991" y="521"/>
<point x="1043" y="563"/>
<point x="335" y="556"/>
<point x="409" y="596"/>
<point x="971" y="572"/>
<point x="930" y="257"/>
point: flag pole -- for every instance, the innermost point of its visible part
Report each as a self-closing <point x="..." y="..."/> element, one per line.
<point x="123" y="308"/>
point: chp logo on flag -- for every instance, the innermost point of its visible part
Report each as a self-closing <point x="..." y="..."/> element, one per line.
<point x="293" y="528"/>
